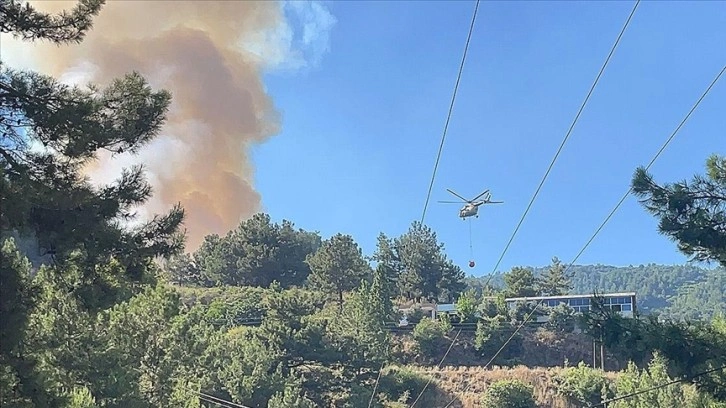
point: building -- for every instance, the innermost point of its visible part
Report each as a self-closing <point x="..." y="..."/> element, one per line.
<point x="623" y="303"/>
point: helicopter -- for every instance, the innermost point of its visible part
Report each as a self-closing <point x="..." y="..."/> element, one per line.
<point x="472" y="206"/>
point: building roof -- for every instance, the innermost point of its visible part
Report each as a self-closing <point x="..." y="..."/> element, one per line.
<point x="619" y="294"/>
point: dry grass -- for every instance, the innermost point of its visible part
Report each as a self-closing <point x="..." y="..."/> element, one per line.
<point x="540" y="348"/>
<point x="467" y="384"/>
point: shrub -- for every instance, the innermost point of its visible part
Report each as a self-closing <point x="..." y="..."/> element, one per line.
<point x="508" y="394"/>
<point x="582" y="384"/>
<point x="445" y="322"/>
<point x="562" y="318"/>
<point x="416" y="315"/>
<point x="467" y="306"/>
<point x="491" y="333"/>
<point x="397" y="385"/>
<point x="428" y="334"/>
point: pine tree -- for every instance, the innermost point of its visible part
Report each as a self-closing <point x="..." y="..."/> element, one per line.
<point x="691" y="213"/>
<point x="30" y="24"/>
<point x="520" y="282"/>
<point x="380" y="293"/>
<point x="555" y="281"/>
<point x="50" y="131"/>
<point x="338" y="266"/>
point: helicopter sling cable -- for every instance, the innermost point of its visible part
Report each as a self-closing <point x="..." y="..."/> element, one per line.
<point x="607" y="219"/>
<point x="471" y="247"/>
<point x="471" y="209"/>
<point x="592" y="88"/>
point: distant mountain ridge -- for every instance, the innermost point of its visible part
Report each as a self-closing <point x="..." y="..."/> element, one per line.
<point x="685" y="292"/>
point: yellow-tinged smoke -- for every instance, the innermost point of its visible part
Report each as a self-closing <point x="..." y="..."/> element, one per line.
<point x="196" y="50"/>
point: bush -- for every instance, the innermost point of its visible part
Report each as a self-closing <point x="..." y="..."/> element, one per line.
<point x="467" y="306"/>
<point x="491" y="333"/>
<point x="562" y="318"/>
<point x="509" y="394"/>
<point x="416" y="315"/>
<point x="428" y="334"/>
<point x="582" y="384"/>
<point x="397" y="388"/>
<point x="445" y="322"/>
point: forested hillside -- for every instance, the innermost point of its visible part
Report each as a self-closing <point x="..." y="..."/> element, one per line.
<point x="677" y="291"/>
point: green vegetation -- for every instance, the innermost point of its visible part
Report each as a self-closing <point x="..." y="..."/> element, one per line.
<point x="99" y="314"/>
<point x="684" y="292"/>
<point x="508" y="394"/>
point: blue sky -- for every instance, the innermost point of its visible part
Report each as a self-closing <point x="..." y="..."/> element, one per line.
<point x="361" y="129"/>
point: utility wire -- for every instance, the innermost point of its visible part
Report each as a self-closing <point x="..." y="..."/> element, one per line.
<point x="597" y="231"/>
<point x="219" y="401"/>
<point x="602" y="404"/>
<point x="375" y="387"/>
<point x="438" y="366"/>
<point x="438" y="158"/>
<point x="201" y="398"/>
<point x="567" y="136"/>
<point x="451" y="109"/>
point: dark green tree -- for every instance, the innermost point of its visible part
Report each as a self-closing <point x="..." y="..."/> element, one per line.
<point x="555" y="280"/>
<point x="49" y="133"/>
<point x="359" y="332"/>
<point x="380" y="296"/>
<point x="690" y="347"/>
<point x="424" y="271"/>
<point x="44" y="194"/>
<point x="691" y="213"/>
<point x="16" y="296"/>
<point x="182" y="270"/>
<point x="387" y="264"/>
<point x="520" y="282"/>
<point x="29" y="24"/>
<point x="338" y="266"/>
<point x="257" y="253"/>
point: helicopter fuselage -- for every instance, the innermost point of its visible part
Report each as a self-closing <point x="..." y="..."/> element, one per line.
<point x="471" y="207"/>
<point x="470" y="210"/>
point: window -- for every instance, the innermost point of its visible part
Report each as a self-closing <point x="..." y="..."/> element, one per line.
<point x="627" y="308"/>
<point x="579" y="302"/>
<point x="616" y="308"/>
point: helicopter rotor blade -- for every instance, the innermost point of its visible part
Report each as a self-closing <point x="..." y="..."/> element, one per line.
<point x="475" y="198"/>
<point x="465" y="200"/>
<point x="494" y="202"/>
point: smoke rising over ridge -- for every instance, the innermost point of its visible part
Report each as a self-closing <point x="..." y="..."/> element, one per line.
<point x="211" y="56"/>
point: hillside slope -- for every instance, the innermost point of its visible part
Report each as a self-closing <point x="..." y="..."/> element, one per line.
<point x="678" y="291"/>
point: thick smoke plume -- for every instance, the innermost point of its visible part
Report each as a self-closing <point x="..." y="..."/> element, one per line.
<point x="201" y="51"/>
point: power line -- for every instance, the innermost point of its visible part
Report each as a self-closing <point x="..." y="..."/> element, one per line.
<point x="375" y="387"/>
<point x="201" y="398"/>
<point x="439" y="366"/>
<point x="438" y="158"/>
<point x="602" y="404"/>
<point x="219" y="401"/>
<point x="597" y="231"/>
<point x="451" y="109"/>
<point x="567" y="136"/>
